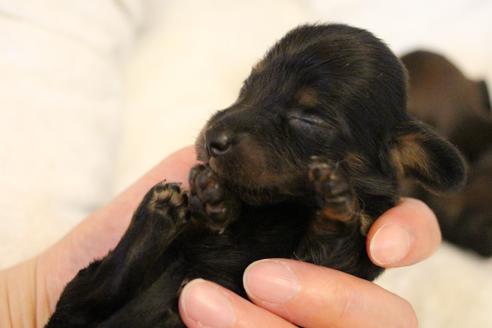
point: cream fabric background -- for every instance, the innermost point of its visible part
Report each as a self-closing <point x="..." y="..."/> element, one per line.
<point x="93" y="93"/>
<point x="60" y="101"/>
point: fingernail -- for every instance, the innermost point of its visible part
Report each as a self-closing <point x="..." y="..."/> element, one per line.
<point x="390" y="244"/>
<point x="270" y="281"/>
<point x="206" y="305"/>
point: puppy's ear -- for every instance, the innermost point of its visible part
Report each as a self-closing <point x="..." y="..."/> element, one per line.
<point x="419" y="153"/>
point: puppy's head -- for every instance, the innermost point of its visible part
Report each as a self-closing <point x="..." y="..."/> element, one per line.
<point x="325" y="90"/>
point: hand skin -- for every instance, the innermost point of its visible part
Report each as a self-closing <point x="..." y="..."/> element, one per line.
<point x="283" y="292"/>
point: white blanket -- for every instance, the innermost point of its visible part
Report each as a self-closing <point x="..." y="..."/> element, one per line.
<point x="60" y="115"/>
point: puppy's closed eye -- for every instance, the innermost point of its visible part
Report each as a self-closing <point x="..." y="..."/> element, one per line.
<point x="301" y="120"/>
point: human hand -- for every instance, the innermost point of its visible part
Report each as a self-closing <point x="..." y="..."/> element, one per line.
<point x="286" y="292"/>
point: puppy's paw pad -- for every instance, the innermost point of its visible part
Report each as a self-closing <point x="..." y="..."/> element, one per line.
<point x="167" y="198"/>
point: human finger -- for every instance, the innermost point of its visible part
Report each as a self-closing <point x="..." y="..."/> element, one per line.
<point x="206" y="304"/>
<point x="404" y="235"/>
<point x="314" y="296"/>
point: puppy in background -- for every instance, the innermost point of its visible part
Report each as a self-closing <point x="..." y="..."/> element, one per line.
<point x="459" y="109"/>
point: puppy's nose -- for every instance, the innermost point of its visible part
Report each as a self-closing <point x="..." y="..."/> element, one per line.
<point x="219" y="143"/>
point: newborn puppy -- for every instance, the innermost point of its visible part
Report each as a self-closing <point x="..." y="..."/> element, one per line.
<point x="298" y="167"/>
<point x="459" y="109"/>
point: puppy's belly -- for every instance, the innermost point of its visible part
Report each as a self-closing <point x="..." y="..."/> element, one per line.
<point x="222" y="258"/>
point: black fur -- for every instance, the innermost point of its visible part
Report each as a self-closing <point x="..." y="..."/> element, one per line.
<point x="298" y="167"/>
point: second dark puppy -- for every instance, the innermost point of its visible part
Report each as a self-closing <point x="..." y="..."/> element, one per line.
<point x="459" y="109"/>
<point x="299" y="166"/>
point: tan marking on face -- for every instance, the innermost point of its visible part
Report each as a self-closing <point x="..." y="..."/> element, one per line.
<point x="250" y="166"/>
<point x="308" y="97"/>
<point x="255" y="166"/>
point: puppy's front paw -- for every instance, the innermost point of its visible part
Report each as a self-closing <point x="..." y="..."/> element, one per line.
<point x="166" y="199"/>
<point x="333" y="192"/>
<point x="208" y="199"/>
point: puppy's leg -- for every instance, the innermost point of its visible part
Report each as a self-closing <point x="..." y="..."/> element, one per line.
<point x="336" y="235"/>
<point x="211" y="207"/>
<point x="156" y="306"/>
<point x="103" y="287"/>
<point x="210" y="202"/>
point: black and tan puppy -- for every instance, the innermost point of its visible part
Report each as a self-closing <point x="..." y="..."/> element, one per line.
<point x="459" y="109"/>
<point x="299" y="167"/>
